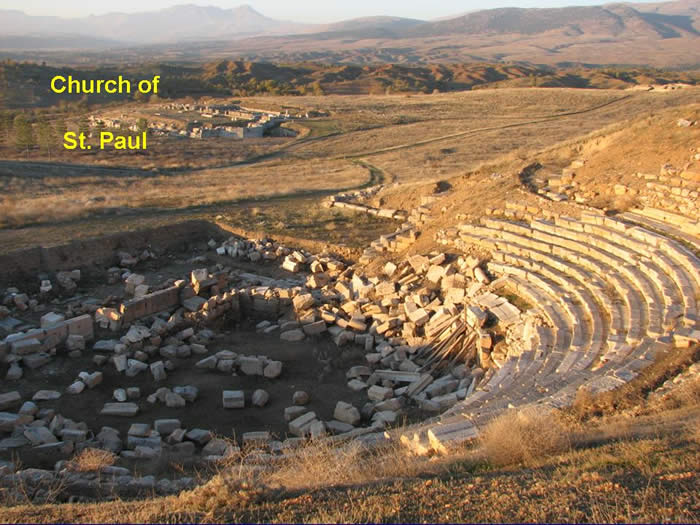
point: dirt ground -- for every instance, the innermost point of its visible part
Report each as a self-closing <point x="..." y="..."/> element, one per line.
<point x="302" y="371"/>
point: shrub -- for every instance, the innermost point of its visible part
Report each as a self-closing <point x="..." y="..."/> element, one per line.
<point x="523" y="437"/>
<point x="91" y="460"/>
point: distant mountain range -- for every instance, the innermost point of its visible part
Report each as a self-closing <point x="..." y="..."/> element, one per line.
<point x="661" y="34"/>
<point x="174" y="24"/>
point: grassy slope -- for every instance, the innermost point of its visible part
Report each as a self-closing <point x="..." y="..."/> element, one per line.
<point x="649" y="479"/>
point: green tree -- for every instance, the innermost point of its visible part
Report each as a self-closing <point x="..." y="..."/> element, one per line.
<point x="46" y="136"/>
<point x="5" y="128"/>
<point x="24" y="133"/>
<point x="60" y="127"/>
<point x="84" y="126"/>
<point x="317" y="88"/>
<point x="140" y="97"/>
<point x="142" y="125"/>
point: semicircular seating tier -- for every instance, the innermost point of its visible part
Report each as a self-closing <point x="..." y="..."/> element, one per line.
<point x="613" y="295"/>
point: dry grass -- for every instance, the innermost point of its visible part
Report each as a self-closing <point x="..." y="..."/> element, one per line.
<point x="323" y="465"/>
<point x="523" y="437"/>
<point x="365" y="124"/>
<point x="626" y="479"/>
<point x="221" y="493"/>
<point x="92" y="460"/>
<point x="31" y="199"/>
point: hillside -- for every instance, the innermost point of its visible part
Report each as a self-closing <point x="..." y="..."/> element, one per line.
<point x="612" y="34"/>
<point x="661" y="35"/>
<point x="27" y="84"/>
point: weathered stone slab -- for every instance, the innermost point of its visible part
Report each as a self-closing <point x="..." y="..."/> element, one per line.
<point x="10" y="399"/>
<point x="120" y="409"/>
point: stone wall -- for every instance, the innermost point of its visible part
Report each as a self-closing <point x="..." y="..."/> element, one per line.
<point x="84" y="254"/>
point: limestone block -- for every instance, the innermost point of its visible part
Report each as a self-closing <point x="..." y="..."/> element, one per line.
<point x="9" y="400"/>
<point x="158" y="371"/>
<point x="301" y="426"/>
<point x="76" y="388"/>
<point x="273" y="369"/>
<point x="51" y="319"/>
<point x="260" y="398"/>
<point x="300" y="398"/>
<point x="251" y="366"/>
<point x="120" y="409"/>
<point x="378" y="393"/>
<point x="233" y="399"/>
<point x="293" y="336"/>
<point x="346" y="413"/>
<point x="46" y="395"/>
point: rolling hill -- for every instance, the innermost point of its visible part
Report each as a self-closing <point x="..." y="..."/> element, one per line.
<point x="656" y="34"/>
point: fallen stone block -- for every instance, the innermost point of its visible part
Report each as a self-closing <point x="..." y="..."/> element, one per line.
<point x="173" y="400"/>
<point x="256" y="439"/>
<point x="217" y="447"/>
<point x="28" y="408"/>
<point x="476" y="317"/>
<point x="14" y="373"/>
<point x="10" y="399"/>
<point x="346" y="413"/>
<point x="92" y="380"/>
<point x="75" y="388"/>
<point x="158" y="371"/>
<point x="293" y="336"/>
<point x="194" y="304"/>
<point x="303" y="302"/>
<point x="301" y="425"/>
<point x="379" y="393"/>
<point x="75" y="342"/>
<point x="445" y="438"/>
<point x="386" y="417"/>
<point x="166" y="427"/>
<point x="315" y="328"/>
<point x="120" y="409"/>
<point x="105" y="345"/>
<point x="233" y="399"/>
<point x="9" y="421"/>
<point x="46" y="395"/>
<point x="199" y="436"/>
<point x="260" y="398"/>
<point x="300" y="398"/>
<point x="139" y="430"/>
<point x="51" y="319"/>
<point x="398" y="376"/>
<point x="188" y="392"/>
<point x="26" y="346"/>
<point x="251" y="366"/>
<point x="119" y="395"/>
<point x="356" y="385"/>
<point x="294" y="412"/>
<point x="418" y="386"/>
<point x="40" y="436"/>
<point x="35" y="361"/>
<point x="208" y="363"/>
<point x="273" y="369"/>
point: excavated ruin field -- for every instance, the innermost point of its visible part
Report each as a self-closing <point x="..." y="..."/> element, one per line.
<point x="315" y="365"/>
<point x="565" y="285"/>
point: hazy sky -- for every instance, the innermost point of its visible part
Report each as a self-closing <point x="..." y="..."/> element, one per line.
<point x="296" y="10"/>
